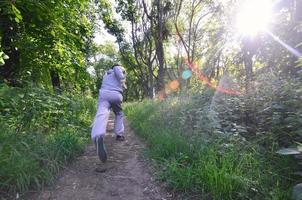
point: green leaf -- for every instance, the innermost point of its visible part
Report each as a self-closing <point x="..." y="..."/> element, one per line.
<point x="53" y="33"/>
<point x="1" y="62"/>
<point x="5" y="57"/>
<point x="17" y="19"/>
<point x="17" y="13"/>
<point x="299" y="147"/>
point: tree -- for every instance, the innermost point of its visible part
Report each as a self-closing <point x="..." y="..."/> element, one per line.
<point x="46" y="46"/>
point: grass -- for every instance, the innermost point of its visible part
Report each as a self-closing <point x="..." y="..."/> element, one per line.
<point x="40" y="133"/>
<point x="193" y="163"/>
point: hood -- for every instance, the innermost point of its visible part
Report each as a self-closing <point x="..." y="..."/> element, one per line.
<point x="110" y="71"/>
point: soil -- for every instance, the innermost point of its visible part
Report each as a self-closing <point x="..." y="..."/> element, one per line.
<point x="125" y="176"/>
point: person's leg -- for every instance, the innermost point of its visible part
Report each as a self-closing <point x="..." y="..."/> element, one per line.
<point x="99" y="128"/>
<point x="119" y="123"/>
<point x="119" y="118"/>
<point x="100" y="120"/>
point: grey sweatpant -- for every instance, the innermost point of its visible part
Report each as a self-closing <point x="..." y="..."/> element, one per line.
<point x="108" y="100"/>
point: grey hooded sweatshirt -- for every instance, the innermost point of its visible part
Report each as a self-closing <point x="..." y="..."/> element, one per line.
<point x="114" y="80"/>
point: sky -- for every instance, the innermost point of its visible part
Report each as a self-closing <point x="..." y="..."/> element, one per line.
<point x="102" y="36"/>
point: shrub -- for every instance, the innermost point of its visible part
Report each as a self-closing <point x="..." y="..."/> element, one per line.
<point x="41" y="131"/>
<point x="195" y="150"/>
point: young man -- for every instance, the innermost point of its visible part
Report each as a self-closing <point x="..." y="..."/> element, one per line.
<point x="110" y="97"/>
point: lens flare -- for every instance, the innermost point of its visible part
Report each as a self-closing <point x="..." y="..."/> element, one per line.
<point x="289" y="48"/>
<point x="162" y="95"/>
<point x="174" y="85"/>
<point x="186" y="74"/>
<point x="207" y="82"/>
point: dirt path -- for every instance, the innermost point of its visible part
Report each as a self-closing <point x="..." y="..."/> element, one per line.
<point x="128" y="176"/>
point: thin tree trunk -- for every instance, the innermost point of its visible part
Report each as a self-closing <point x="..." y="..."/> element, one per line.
<point x="248" y="52"/>
<point x="55" y="80"/>
<point x="159" y="46"/>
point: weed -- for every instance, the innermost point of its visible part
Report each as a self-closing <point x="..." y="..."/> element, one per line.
<point x="41" y="131"/>
<point x="190" y="160"/>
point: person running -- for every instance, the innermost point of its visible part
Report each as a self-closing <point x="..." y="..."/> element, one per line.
<point x="110" y="97"/>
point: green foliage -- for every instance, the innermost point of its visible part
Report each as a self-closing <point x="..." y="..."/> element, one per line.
<point x="113" y="26"/>
<point x="40" y="132"/>
<point x="3" y="57"/>
<point x="126" y="55"/>
<point x="47" y="39"/>
<point x="196" y="153"/>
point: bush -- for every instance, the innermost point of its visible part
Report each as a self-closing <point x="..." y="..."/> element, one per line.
<point x="41" y="131"/>
<point x="196" y="151"/>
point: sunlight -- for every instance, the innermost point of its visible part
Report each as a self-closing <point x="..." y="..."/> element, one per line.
<point x="254" y="17"/>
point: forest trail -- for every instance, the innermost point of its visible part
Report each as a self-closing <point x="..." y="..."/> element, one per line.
<point x="127" y="175"/>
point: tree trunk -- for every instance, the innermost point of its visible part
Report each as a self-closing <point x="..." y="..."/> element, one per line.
<point x="55" y="80"/>
<point x="159" y="46"/>
<point x="248" y="53"/>
<point x="151" y="82"/>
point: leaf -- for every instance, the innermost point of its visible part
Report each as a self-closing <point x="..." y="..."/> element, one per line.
<point x="52" y="33"/>
<point x="17" y="19"/>
<point x="5" y="57"/>
<point x="21" y="95"/>
<point x="16" y="11"/>
<point x="1" y="62"/>
<point x="288" y="151"/>
<point x="299" y="147"/>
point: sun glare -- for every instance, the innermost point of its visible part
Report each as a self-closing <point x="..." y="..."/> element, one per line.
<point x="254" y="16"/>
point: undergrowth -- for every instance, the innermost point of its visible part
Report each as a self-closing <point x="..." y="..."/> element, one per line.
<point x="40" y="132"/>
<point x="194" y="155"/>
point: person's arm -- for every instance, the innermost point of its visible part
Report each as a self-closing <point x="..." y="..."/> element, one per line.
<point x="124" y="84"/>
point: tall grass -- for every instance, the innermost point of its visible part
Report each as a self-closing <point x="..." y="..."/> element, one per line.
<point x="40" y="132"/>
<point x="200" y="160"/>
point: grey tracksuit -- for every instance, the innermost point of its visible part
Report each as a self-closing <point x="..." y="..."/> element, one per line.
<point x="110" y="97"/>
